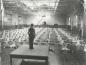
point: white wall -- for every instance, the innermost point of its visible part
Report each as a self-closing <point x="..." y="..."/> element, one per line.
<point x="12" y="18"/>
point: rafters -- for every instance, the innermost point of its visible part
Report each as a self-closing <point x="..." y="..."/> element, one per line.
<point x="36" y="5"/>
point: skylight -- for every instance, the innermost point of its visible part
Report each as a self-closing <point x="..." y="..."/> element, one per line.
<point x="37" y="3"/>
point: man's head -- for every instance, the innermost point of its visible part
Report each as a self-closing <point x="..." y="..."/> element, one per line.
<point x="31" y="25"/>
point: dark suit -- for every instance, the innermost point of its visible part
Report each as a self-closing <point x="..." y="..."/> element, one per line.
<point x="31" y="33"/>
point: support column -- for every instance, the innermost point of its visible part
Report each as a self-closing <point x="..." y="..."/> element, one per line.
<point x="81" y="26"/>
<point x="2" y="14"/>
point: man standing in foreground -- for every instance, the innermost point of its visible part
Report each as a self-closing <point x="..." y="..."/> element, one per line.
<point x="31" y="33"/>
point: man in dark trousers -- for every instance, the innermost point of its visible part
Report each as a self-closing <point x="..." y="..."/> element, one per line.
<point x="31" y="33"/>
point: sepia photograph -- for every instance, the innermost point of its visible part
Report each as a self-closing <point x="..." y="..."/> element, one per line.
<point x="42" y="32"/>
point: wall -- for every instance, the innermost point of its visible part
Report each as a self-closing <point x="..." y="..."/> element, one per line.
<point x="0" y="18"/>
<point x="13" y="18"/>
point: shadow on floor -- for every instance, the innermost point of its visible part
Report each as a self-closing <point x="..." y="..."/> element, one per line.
<point x="32" y="63"/>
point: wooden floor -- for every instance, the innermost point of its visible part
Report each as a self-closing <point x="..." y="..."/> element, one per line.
<point x="6" y="59"/>
<point x="39" y="51"/>
<point x="58" y="58"/>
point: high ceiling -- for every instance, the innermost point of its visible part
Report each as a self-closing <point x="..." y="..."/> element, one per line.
<point x="30" y="5"/>
<point x="62" y="8"/>
<point x="41" y="3"/>
<point x="58" y="6"/>
<point x="68" y="7"/>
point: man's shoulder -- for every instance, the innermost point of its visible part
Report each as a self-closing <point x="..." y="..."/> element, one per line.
<point x="31" y="29"/>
